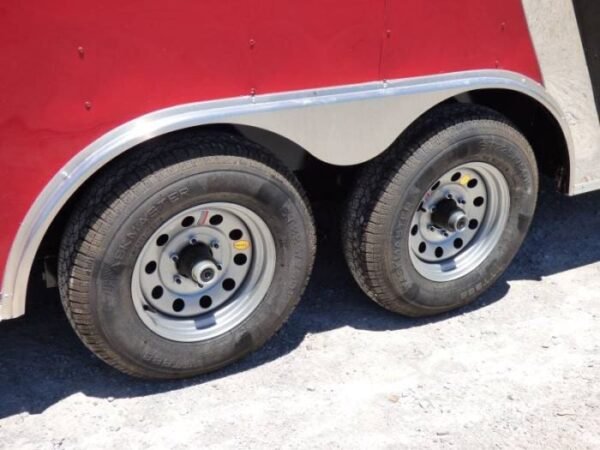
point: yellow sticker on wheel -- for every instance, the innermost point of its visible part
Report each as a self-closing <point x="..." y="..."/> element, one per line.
<point x="241" y="245"/>
<point x="464" y="180"/>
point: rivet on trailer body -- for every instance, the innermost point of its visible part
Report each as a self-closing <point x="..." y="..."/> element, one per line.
<point x="252" y="43"/>
<point x="503" y="26"/>
<point x="88" y="105"/>
<point x="81" y="52"/>
<point x="388" y="32"/>
<point x="253" y="94"/>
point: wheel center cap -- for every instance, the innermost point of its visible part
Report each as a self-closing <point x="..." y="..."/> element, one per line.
<point x="457" y="221"/>
<point x="204" y="272"/>
<point x="448" y="216"/>
<point x="196" y="262"/>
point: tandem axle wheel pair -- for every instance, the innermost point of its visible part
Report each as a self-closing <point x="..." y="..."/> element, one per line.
<point x="215" y="273"/>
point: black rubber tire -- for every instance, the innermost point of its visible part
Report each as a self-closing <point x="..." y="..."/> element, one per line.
<point x="130" y="200"/>
<point x="390" y="188"/>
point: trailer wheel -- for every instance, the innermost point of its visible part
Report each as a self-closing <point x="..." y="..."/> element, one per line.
<point x="437" y="219"/>
<point x="187" y="256"/>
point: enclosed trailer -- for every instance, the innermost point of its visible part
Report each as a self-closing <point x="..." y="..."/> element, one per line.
<point x="152" y="149"/>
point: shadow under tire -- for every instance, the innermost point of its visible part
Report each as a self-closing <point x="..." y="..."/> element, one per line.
<point x="434" y="221"/>
<point x="186" y="256"/>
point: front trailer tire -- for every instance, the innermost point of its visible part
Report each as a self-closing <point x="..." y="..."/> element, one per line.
<point x="113" y="228"/>
<point x="414" y="263"/>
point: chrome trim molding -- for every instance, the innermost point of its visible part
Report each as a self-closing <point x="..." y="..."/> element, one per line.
<point x="329" y="123"/>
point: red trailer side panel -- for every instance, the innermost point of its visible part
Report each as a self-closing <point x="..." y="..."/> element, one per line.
<point x="450" y="36"/>
<point x="74" y="69"/>
<point x="316" y="43"/>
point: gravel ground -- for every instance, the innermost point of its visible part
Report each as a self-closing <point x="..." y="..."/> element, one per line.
<point x="519" y="368"/>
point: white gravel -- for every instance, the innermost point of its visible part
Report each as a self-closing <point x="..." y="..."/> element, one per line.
<point x="520" y="368"/>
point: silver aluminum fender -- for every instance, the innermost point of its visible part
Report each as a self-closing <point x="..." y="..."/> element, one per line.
<point x="340" y="125"/>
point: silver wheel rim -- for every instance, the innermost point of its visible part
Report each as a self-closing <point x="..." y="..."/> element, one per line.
<point x="459" y="221"/>
<point x="203" y="272"/>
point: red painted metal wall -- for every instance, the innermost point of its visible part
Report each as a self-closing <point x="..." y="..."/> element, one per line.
<point x="74" y="69"/>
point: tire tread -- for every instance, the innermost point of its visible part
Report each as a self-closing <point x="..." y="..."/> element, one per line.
<point x="97" y="205"/>
<point x="372" y="198"/>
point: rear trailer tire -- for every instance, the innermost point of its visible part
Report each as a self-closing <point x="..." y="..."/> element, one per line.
<point x="187" y="256"/>
<point x="439" y="217"/>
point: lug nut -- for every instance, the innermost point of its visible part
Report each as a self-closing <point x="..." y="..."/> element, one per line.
<point x="193" y="241"/>
<point x="175" y="258"/>
<point x="214" y="244"/>
<point x="177" y="279"/>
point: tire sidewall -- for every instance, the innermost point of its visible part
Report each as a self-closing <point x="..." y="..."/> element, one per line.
<point x="145" y="209"/>
<point x="501" y="147"/>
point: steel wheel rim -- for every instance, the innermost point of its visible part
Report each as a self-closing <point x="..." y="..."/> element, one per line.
<point x="179" y="305"/>
<point x="439" y="250"/>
